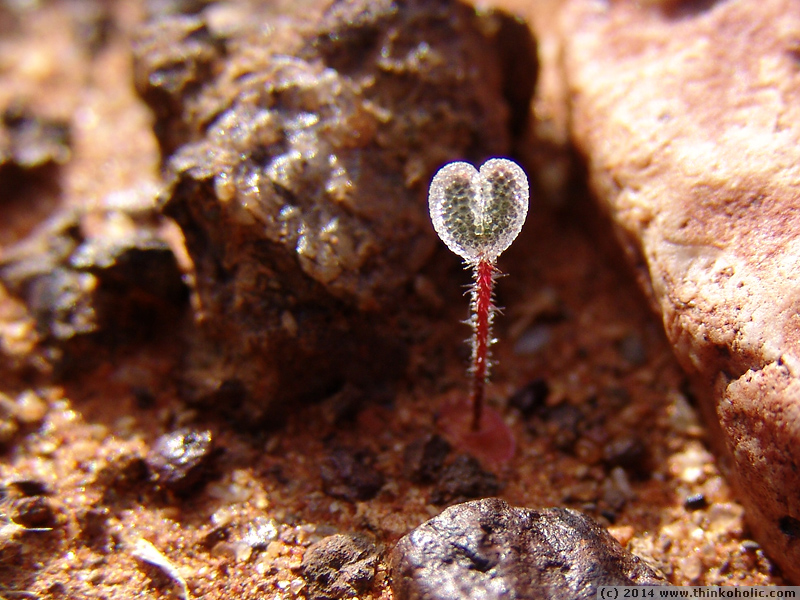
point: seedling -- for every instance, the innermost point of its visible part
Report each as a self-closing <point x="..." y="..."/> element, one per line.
<point x="477" y="214"/>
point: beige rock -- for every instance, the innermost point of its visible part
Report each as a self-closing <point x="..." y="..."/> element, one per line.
<point x="689" y="116"/>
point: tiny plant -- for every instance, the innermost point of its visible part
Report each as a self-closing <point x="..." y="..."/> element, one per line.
<point x="477" y="214"/>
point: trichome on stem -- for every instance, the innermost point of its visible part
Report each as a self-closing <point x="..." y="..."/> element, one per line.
<point x="478" y="214"/>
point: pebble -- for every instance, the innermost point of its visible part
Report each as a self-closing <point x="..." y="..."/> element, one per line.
<point x="30" y="408"/>
<point x="464" y="479"/>
<point x="632" y="349"/>
<point x="260" y="533"/>
<point x="531" y="398"/>
<point x="533" y="340"/>
<point x="349" y="474"/>
<point x="562" y="425"/>
<point x="339" y="566"/>
<point x="182" y="459"/>
<point x="695" y="502"/>
<point x="487" y="550"/>
<point x="34" y="512"/>
<point x="94" y="529"/>
<point x="424" y="458"/>
<point x="122" y="475"/>
<point x="630" y="453"/>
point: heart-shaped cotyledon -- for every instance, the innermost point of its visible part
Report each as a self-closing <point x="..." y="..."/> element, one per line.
<point x="477" y="214"/>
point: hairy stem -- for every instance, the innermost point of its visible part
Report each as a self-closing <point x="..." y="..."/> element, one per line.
<point x="482" y="316"/>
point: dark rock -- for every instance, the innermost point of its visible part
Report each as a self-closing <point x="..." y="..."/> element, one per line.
<point x="181" y="460"/>
<point x="349" y="474"/>
<point x="218" y="534"/>
<point x="489" y="550"/>
<point x="630" y="453"/>
<point x="531" y="398"/>
<point x="29" y="487"/>
<point x="34" y="512"/>
<point x="789" y="526"/>
<point x="339" y="566"/>
<point x="123" y="476"/>
<point x="695" y="502"/>
<point x="297" y="168"/>
<point x="424" y="458"/>
<point x="94" y="529"/>
<point x="145" y="398"/>
<point x="562" y="425"/>
<point x="463" y="479"/>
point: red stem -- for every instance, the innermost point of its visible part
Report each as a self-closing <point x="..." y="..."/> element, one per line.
<point x="483" y="313"/>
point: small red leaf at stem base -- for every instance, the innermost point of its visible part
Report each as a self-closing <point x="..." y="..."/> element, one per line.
<point x="493" y="443"/>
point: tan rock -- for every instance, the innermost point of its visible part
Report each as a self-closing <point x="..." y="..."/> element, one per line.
<point x="689" y="116"/>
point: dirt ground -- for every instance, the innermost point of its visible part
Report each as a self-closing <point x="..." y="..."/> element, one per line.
<point x="611" y="431"/>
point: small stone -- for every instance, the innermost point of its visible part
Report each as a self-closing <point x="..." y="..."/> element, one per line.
<point x="34" y="512"/>
<point x="145" y="398"/>
<point x="94" y="527"/>
<point x="751" y="546"/>
<point x="30" y="408"/>
<point x="122" y="475"/>
<point x="489" y="550"/>
<point x="727" y="518"/>
<point x="630" y="453"/>
<point x="464" y="479"/>
<point x="216" y="536"/>
<point x="260" y="533"/>
<point x="339" y="566"/>
<point x="424" y="458"/>
<point x="348" y="474"/>
<point x="632" y="349"/>
<point x="690" y="567"/>
<point x="534" y="340"/>
<point x="531" y="398"/>
<point x="695" y="502"/>
<point x="562" y="425"/>
<point x="616" y="489"/>
<point x="789" y="526"/>
<point x="182" y="459"/>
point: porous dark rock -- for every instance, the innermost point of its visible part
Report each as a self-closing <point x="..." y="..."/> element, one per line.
<point x="688" y="115"/>
<point x="488" y="550"/>
<point x="339" y="566"/>
<point x="297" y="154"/>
